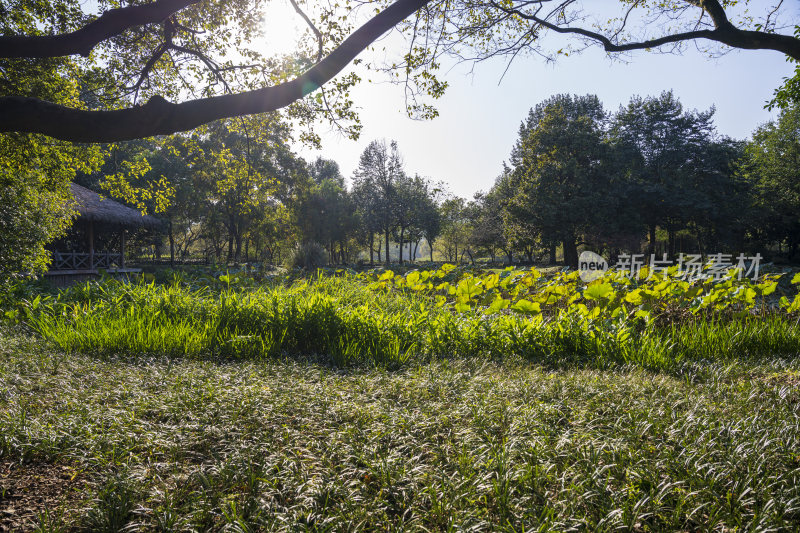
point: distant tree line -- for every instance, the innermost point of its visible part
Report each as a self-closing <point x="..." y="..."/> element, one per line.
<point x="651" y="178"/>
<point x="235" y="192"/>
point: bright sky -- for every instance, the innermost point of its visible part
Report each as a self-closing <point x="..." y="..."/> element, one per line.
<point x="480" y="115"/>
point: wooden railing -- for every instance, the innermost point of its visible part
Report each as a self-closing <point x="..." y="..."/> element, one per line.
<point x="85" y="260"/>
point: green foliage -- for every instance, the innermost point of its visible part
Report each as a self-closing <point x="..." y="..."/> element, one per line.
<point x="678" y="172"/>
<point x="380" y="168"/>
<point x="461" y="444"/>
<point x="579" y="175"/>
<point x="772" y="165"/>
<point x="658" y="322"/>
<point x="205" y="49"/>
<point x="229" y="184"/>
<point x="30" y="216"/>
<point x="483" y="399"/>
<point x="788" y="95"/>
<point x="657" y="298"/>
<point x="35" y="171"/>
<point x="456" y="228"/>
<point x="35" y="199"/>
<point x="561" y="176"/>
<point x="308" y="256"/>
<point x="114" y="506"/>
<point x="326" y="213"/>
<point x="488" y="232"/>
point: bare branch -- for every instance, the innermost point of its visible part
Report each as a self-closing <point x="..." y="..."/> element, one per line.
<point x="147" y="68"/>
<point x="775" y="9"/>
<point x="210" y="64"/>
<point x="317" y="33"/>
<point x="724" y="33"/>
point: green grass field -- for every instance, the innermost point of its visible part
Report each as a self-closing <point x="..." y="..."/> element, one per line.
<point x="333" y="405"/>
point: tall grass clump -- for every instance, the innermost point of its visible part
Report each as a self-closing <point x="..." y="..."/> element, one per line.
<point x="266" y="322"/>
<point x="308" y="256"/>
<point x="347" y="322"/>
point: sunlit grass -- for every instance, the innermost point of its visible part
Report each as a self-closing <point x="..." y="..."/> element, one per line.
<point x="347" y="323"/>
<point x="327" y="405"/>
<point x="170" y="445"/>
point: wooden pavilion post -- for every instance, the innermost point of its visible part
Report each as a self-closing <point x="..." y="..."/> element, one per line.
<point x="91" y="244"/>
<point x="122" y="248"/>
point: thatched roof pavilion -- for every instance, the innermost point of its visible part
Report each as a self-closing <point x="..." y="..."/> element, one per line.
<point x="96" y="208"/>
<point x="76" y="254"/>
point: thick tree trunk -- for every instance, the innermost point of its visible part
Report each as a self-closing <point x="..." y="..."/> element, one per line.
<point x="570" y="253"/>
<point x="552" y="254"/>
<point x="430" y="245"/>
<point x="400" y="248"/>
<point x="651" y="242"/>
<point x="371" y="249"/>
<point x="388" y="255"/>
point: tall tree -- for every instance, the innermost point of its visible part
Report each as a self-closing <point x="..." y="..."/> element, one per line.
<point x="326" y="213"/>
<point x="562" y="172"/>
<point x="456" y="229"/>
<point x="380" y="169"/>
<point x="772" y="164"/>
<point x="326" y="169"/>
<point x="666" y="149"/>
<point x="488" y="230"/>
<point x="416" y="212"/>
<point x="246" y="163"/>
<point x="427" y="217"/>
<point x="157" y="176"/>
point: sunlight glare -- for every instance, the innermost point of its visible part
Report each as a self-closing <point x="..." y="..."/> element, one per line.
<point x="282" y="28"/>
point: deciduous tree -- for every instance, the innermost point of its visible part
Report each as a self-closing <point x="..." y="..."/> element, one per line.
<point x="170" y="48"/>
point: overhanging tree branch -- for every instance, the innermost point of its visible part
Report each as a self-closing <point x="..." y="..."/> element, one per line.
<point x="160" y="117"/>
<point x="82" y="41"/>
<point x="724" y="32"/>
<point x="715" y="11"/>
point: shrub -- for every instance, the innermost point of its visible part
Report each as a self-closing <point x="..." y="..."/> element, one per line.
<point x="308" y="256"/>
